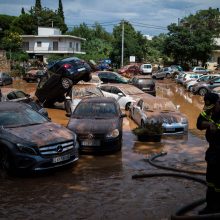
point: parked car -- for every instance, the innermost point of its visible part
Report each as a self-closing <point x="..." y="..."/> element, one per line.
<point x="61" y="76"/>
<point x="31" y="142"/>
<point x="190" y="76"/>
<point x="159" y="110"/>
<point x="5" y="79"/>
<point x="34" y="75"/>
<point x="111" y="77"/>
<point x="79" y="92"/>
<point x="146" y="84"/>
<point x="216" y="90"/>
<point x="14" y="95"/>
<point x="146" y="68"/>
<point x="129" y="70"/>
<point x="199" y="69"/>
<point x="203" y="78"/>
<point x="125" y="94"/>
<point x="165" y="72"/>
<point x="97" y="121"/>
<point x="202" y="88"/>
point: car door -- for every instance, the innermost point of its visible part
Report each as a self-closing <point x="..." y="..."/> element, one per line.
<point x="214" y="83"/>
<point x="137" y="112"/>
<point x="103" y="77"/>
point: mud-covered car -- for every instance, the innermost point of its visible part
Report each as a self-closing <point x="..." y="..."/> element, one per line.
<point x="79" y="92"/>
<point x="31" y="142"/>
<point x="159" y="110"/>
<point x="61" y="76"/>
<point x="97" y="121"/>
<point x="15" y="95"/>
<point x="34" y="75"/>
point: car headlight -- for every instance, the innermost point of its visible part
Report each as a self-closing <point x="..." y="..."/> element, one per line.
<point x="25" y="149"/>
<point x="113" y="134"/>
<point x="184" y="121"/>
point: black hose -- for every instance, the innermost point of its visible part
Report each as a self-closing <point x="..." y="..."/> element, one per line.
<point x="188" y="207"/>
<point x="150" y="161"/>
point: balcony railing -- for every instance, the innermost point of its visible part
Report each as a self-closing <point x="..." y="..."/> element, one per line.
<point x="51" y="50"/>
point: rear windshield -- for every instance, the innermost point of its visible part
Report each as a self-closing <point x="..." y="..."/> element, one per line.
<point x="94" y="109"/>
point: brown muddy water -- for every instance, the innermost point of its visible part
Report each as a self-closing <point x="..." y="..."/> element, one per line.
<point x="101" y="187"/>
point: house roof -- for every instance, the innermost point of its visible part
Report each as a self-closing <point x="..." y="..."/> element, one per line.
<point x="53" y="36"/>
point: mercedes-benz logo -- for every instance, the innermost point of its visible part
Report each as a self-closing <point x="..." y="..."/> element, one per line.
<point x="90" y="136"/>
<point x="59" y="148"/>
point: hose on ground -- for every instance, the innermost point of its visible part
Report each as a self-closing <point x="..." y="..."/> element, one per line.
<point x="150" y="161"/>
<point x="179" y="213"/>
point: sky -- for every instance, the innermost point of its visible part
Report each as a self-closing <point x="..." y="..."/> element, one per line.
<point x="150" y="17"/>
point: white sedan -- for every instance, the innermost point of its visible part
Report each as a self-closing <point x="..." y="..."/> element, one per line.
<point x="125" y="94"/>
<point x="160" y="110"/>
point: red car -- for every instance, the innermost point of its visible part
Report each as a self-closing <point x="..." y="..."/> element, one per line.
<point x="129" y="70"/>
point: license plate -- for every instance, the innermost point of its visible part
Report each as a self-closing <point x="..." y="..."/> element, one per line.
<point x="145" y="88"/>
<point x="90" y="143"/>
<point x="61" y="158"/>
<point x="170" y="129"/>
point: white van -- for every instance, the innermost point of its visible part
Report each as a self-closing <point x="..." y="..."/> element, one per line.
<point x="146" y="68"/>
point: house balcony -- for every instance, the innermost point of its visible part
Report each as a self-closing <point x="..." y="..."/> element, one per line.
<point x="46" y="50"/>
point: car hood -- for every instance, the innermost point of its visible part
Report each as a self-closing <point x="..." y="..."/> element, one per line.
<point x="87" y="125"/>
<point x="168" y="117"/>
<point x="42" y="134"/>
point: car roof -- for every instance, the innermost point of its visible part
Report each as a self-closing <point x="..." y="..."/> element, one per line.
<point x="7" y="106"/>
<point x="99" y="99"/>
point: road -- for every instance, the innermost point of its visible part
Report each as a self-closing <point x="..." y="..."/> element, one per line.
<point x="101" y="187"/>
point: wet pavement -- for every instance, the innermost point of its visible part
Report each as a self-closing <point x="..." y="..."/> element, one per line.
<point x="101" y="187"/>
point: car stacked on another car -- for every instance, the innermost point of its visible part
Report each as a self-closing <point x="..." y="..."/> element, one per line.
<point x="61" y="75"/>
<point x="31" y="142"/>
<point x="145" y="83"/>
<point x="97" y="121"/>
<point x="159" y="110"/>
<point x="5" y="79"/>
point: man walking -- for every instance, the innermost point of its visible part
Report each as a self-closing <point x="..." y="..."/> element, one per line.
<point x="209" y="120"/>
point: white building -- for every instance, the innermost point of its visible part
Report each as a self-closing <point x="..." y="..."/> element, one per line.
<point x="51" y="41"/>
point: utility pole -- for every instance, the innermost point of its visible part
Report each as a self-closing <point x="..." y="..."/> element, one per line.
<point x="122" y="44"/>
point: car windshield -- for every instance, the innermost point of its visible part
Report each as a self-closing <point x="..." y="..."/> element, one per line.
<point x="86" y="91"/>
<point x="95" y="110"/>
<point x="160" y="105"/>
<point x="24" y="117"/>
<point x="132" y="91"/>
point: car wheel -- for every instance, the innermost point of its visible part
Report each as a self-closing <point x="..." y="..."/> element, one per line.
<point x="190" y="88"/>
<point x="5" y="160"/>
<point x="203" y="91"/>
<point x="142" y="124"/>
<point x="127" y="106"/>
<point x="66" y="83"/>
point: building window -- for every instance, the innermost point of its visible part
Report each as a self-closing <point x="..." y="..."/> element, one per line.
<point x="38" y="43"/>
<point x="25" y="45"/>
<point x="71" y="45"/>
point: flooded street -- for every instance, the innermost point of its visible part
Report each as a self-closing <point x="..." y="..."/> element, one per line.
<point x="101" y="187"/>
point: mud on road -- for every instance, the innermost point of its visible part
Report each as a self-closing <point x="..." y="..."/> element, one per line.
<point x="101" y="186"/>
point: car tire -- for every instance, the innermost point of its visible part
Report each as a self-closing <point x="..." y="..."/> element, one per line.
<point x="190" y="88"/>
<point x="66" y="83"/>
<point x="6" y="165"/>
<point x="202" y="91"/>
<point x="127" y="106"/>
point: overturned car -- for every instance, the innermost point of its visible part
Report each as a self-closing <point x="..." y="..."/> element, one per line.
<point x="61" y="75"/>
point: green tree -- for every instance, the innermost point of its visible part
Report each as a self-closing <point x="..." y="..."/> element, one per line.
<point x="60" y="10"/>
<point x="12" y="41"/>
<point x="37" y="7"/>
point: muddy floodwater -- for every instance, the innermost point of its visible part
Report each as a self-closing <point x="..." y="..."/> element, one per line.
<point x="101" y="186"/>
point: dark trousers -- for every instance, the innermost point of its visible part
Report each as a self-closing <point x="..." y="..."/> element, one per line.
<point x="213" y="184"/>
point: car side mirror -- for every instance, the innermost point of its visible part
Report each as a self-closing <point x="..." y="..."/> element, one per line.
<point x="68" y="98"/>
<point x="120" y="94"/>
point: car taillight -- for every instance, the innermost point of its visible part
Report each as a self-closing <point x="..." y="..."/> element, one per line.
<point x="67" y="66"/>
